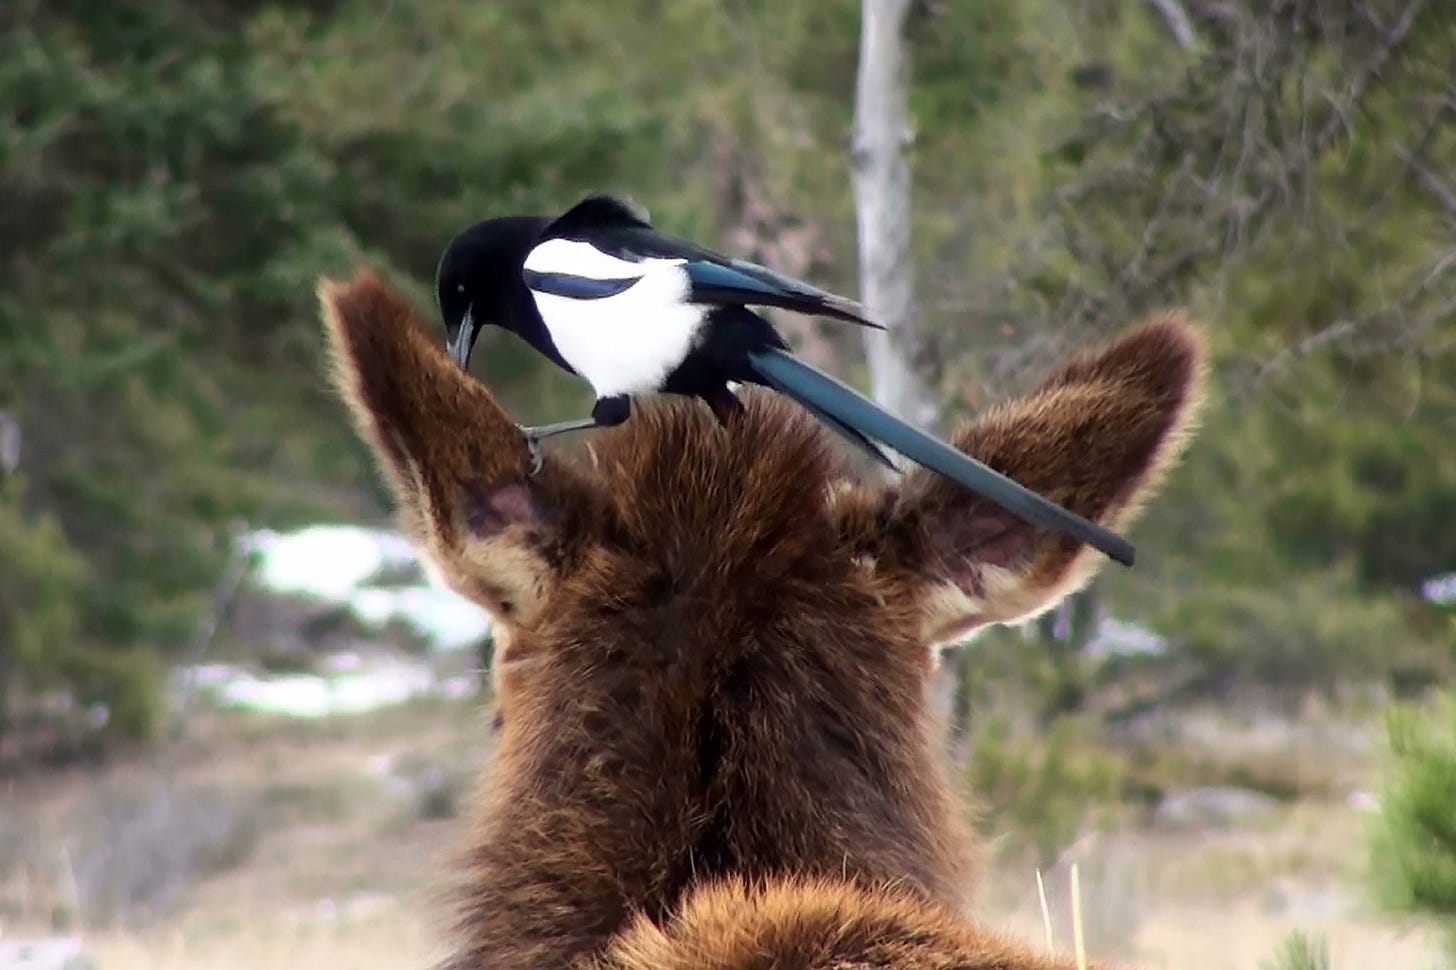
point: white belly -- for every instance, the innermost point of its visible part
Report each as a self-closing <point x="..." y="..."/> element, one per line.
<point x="629" y="342"/>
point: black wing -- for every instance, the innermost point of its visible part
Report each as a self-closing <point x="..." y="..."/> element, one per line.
<point x="616" y="228"/>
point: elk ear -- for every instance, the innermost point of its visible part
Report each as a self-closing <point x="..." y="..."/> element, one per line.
<point x="456" y="462"/>
<point x="1097" y="437"/>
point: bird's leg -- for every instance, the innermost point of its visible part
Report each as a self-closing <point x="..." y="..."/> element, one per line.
<point x="725" y="404"/>
<point x="535" y="435"/>
<point x="608" y="411"/>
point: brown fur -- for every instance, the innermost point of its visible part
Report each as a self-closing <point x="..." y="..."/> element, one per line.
<point x="799" y="924"/>
<point x="714" y="649"/>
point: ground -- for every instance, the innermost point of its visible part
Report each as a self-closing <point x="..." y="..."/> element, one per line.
<point x="328" y="843"/>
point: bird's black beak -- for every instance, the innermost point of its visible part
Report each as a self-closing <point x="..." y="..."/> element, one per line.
<point x="459" y="348"/>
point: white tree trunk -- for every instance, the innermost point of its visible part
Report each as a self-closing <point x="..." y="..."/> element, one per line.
<point x="881" y="172"/>
<point x="9" y="442"/>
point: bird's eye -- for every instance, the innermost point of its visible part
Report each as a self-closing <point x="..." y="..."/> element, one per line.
<point x="459" y="287"/>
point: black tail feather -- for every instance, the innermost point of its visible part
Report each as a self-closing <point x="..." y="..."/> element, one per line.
<point x="853" y="435"/>
<point x="858" y="418"/>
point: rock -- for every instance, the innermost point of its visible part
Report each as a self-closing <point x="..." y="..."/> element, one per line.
<point x="1363" y="801"/>
<point x="1296" y="901"/>
<point x="45" y="953"/>
<point x="1212" y="807"/>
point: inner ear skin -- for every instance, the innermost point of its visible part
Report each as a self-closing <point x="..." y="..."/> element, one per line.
<point x="984" y="538"/>
<point x="491" y="509"/>
<point x="508" y="543"/>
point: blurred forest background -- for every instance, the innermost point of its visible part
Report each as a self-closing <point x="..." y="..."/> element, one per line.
<point x="175" y="175"/>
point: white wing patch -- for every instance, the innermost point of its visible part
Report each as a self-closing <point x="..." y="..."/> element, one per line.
<point x="626" y="343"/>
<point x="576" y="258"/>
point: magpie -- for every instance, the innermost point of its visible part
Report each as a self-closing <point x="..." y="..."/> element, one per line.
<point x="607" y="297"/>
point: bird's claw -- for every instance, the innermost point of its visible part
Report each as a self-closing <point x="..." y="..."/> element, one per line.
<point x="533" y="448"/>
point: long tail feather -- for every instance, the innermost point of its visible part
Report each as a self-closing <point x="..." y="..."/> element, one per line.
<point x="850" y="434"/>
<point x="823" y="394"/>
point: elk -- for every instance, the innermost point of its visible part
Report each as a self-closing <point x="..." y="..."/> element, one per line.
<point x="714" y="747"/>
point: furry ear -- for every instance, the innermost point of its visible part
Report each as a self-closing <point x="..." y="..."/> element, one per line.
<point x="1098" y="437"/>
<point x="456" y="462"/>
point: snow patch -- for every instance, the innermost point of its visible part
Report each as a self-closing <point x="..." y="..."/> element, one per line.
<point x="325" y="561"/>
<point x="1111" y="638"/>
<point x="343" y="565"/>
<point x="1440" y="590"/>
<point x="1120" y="638"/>
<point x="349" y="685"/>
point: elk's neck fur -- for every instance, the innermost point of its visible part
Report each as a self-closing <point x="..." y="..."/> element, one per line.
<point x="718" y="688"/>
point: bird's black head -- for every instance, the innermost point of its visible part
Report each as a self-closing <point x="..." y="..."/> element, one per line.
<point x="479" y="282"/>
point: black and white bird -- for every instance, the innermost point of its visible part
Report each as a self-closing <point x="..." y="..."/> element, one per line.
<point x="633" y="311"/>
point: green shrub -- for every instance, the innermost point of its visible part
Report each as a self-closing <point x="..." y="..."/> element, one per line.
<point x="1300" y="951"/>
<point x="1413" y="842"/>
<point x="39" y="573"/>
<point x="1040" y="792"/>
<point x="1310" y="629"/>
<point x="42" y="643"/>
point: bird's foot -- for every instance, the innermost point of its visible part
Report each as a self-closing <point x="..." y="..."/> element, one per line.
<point x="533" y="437"/>
<point x="533" y="449"/>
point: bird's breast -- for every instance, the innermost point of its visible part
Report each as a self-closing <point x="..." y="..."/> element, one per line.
<point x="627" y="342"/>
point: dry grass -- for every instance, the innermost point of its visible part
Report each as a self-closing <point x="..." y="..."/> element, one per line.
<point x="1225" y="900"/>
<point x="394" y="936"/>
<point x="353" y="826"/>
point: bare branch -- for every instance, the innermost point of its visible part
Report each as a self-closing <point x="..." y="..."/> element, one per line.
<point x="1190" y="177"/>
<point x="1175" y="18"/>
<point x="1430" y="181"/>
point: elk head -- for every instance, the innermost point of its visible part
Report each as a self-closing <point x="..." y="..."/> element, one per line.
<point x="715" y="645"/>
